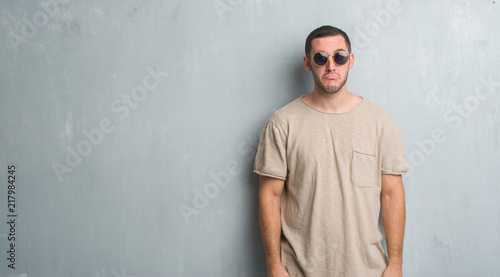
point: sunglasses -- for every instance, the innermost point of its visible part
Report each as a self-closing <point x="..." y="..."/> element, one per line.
<point x="340" y="58"/>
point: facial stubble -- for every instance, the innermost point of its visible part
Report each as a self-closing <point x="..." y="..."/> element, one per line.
<point x="333" y="89"/>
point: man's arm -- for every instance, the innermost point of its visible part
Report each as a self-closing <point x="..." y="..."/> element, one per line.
<point x="270" y="223"/>
<point x="393" y="217"/>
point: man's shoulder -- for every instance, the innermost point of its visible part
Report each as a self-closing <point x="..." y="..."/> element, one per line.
<point x="297" y="109"/>
<point x="378" y="116"/>
<point x="374" y="109"/>
<point x="287" y="112"/>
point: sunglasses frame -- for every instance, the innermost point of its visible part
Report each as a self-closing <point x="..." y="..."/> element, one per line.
<point x="333" y="55"/>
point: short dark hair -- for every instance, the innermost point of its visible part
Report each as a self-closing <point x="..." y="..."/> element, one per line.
<point x="326" y="31"/>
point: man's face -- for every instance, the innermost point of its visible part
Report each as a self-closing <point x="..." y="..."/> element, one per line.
<point x="329" y="78"/>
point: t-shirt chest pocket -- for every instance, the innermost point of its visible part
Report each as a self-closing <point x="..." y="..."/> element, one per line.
<point x="364" y="168"/>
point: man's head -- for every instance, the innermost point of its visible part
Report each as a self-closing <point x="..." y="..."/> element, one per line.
<point x="326" y="31"/>
<point x="331" y="68"/>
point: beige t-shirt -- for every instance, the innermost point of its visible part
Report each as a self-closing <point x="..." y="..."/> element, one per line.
<point x="332" y="164"/>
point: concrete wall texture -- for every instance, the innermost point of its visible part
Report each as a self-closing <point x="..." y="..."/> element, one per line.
<point x="128" y="128"/>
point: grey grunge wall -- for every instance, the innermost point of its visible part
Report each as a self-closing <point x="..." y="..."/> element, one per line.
<point x="128" y="129"/>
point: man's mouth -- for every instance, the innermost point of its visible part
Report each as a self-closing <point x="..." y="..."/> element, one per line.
<point x="331" y="77"/>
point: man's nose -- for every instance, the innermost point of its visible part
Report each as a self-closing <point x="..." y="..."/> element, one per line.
<point x="330" y="65"/>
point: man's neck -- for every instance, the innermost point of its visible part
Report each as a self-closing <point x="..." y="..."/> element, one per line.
<point x="339" y="102"/>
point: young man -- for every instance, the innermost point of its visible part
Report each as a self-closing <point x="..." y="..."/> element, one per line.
<point x="328" y="162"/>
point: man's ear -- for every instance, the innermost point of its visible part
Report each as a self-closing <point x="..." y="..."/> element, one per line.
<point x="351" y="60"/>
<point x="307" y="64"/>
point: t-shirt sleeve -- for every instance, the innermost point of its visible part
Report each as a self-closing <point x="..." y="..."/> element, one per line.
<point x="393" y="156"/>
<point x="270" y="159"/>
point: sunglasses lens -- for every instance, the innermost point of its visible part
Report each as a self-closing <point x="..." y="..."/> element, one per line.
<point x="341" y="58"/>
<point x="320" y="59"/>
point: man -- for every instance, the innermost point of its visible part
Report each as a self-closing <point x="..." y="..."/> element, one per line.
<point x="328" y="162"/>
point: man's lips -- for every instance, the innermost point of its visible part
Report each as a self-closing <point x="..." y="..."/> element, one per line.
<point x="331" y="77"/>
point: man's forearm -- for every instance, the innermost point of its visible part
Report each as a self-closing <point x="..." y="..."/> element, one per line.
<point x="394" y="216"/>
<point x="270" y="227"/>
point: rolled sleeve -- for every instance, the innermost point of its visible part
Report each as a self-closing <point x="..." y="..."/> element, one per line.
<point x="270" y="159"/>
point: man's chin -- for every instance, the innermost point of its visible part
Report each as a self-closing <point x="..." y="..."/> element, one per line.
<point x="331" y="90"/>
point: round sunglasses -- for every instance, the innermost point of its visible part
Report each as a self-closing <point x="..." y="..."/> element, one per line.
<point x="340" y="58"/>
